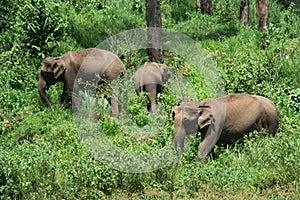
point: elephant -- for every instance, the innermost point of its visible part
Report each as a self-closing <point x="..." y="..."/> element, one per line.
<point x="149" y="78"/>
<point x="91" y="63"/>
<point x="223" y="120"/>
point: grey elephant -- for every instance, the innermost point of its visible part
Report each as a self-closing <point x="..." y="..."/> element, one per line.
<point x="149" y="78"/>
<point x="90" y="63"/>
<point x="223" y="120"/>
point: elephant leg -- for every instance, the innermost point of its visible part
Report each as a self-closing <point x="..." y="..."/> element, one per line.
<point x="72" y="93"/>
<point x="64" y="98"/>
<point x="209" y="140"/>
<point x="152" y="92"/>
<point x="115" y="106"/>
<point x="114" y="102"/>
<point x="109" y="93"/>
<point x="71" y="88"/>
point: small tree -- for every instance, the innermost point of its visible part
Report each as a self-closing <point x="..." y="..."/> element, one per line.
<point x="262" y="13"/>
<point x="244" y="11"/>
<point x="205" y="6"/>
<point x="154" y="24"/>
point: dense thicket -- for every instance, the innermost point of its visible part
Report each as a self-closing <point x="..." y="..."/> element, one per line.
<point x="41" y="153"/>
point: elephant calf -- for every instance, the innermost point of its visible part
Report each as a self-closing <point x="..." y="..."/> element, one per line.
<point x="223" y="120"/>
<point x="89" y="63"/>
<point x="149" y="78"/>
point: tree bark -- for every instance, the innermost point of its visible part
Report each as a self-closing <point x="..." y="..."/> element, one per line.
<point x="205" y="6"/>
<point x="154" y="24"/>
<point x="244" y="12"/>
<point x="262" y="12"/>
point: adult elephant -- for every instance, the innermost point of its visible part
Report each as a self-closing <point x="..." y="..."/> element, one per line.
<point x="89" y="63"/>
<point x="223" y="120"/>
<point x="149" y="78"/>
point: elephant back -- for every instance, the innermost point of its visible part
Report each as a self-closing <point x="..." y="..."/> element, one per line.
<point x="149" y="73"/>
<point x="98" y="61"/>
<point x="115" y="70"/>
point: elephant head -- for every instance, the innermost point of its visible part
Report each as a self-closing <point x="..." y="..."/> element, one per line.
<point x="50" y="73"/>
<point x="189" y="119"/>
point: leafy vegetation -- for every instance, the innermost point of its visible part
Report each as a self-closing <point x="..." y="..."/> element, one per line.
<point x="42" y="156"/>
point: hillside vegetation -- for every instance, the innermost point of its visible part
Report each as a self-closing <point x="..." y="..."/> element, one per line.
<point x="42" y="155"/>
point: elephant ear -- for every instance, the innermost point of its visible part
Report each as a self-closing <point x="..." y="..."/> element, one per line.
<point x="58" y="68"/>
<point x="175" y="111"/>
<point x="164" y="72"/>
<point x="206" y="118"/>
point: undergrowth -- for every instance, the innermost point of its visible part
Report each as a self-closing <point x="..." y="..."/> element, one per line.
<point x="42" y="156"/>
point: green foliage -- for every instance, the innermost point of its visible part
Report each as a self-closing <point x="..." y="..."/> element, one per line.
<point x="91" y="26"/>
<point x="137" y="109"/>
<point x="42" y="154"/>
<point x="226" y="11"/>
<point x="180" y="10"/>
<point x="37" y="26"/>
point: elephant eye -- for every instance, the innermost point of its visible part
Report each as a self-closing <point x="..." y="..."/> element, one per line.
<point x="185" y="119"/>
<point x="53" y="67"/>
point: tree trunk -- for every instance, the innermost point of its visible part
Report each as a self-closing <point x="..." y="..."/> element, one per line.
<point x="205" y="6"/>
<point x="244" y="11"/>
<point x="262" y="12"/>
<point x="154" y="24"/>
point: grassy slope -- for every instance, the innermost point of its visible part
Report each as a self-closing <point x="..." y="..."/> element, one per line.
<point x="42" y="155"/>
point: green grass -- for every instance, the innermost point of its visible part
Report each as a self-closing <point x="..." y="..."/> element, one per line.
<point x="43" y="156"/>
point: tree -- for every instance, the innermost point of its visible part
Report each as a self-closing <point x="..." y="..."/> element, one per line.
<point x="262" y="12"/>
<point x="205" y="6"/>
<point x="154" y="24"/>
<point x="244" y="11"/>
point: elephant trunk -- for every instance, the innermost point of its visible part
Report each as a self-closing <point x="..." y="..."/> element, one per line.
<point x="179" y="140"/>
<point x="42" y="91"/>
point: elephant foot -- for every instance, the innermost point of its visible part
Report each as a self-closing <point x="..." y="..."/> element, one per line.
<point x="114" y="115"/>
<point x="153" y="108"/>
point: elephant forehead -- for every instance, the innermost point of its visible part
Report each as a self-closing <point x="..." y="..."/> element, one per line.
<point x="190" y="113"/>
<point x="186" y="112"/>
<point x="48" y="61"/>
<point x="186" y="107"/>
<point x="189" y="105"/>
